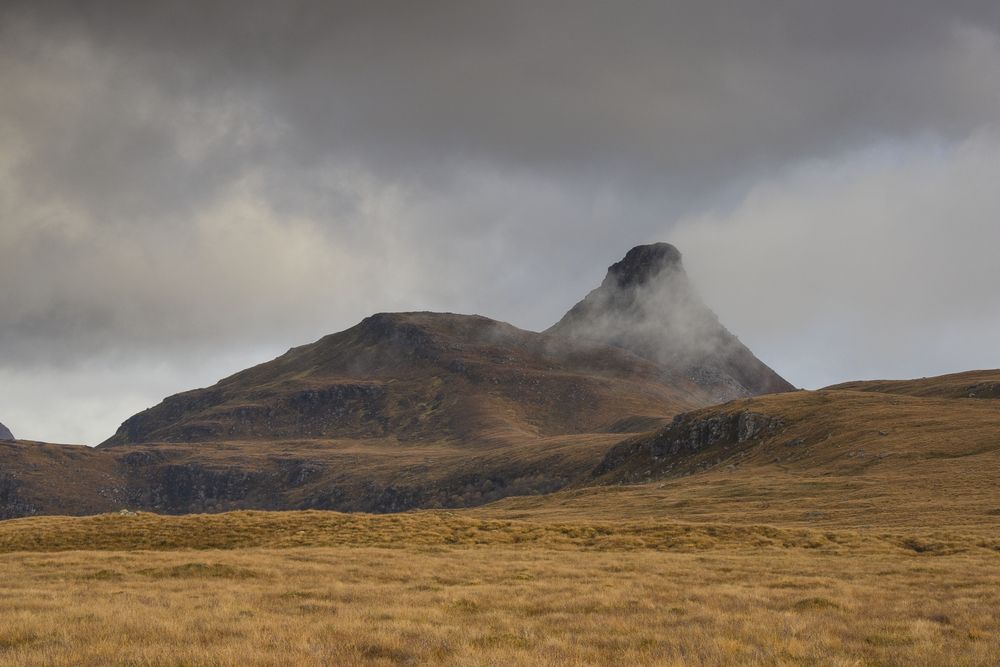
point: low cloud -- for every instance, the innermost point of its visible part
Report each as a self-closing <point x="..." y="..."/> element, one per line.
<point x="882" y="264"/>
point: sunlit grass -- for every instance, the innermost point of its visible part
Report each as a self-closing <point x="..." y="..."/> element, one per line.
<point x="315" y="588"/>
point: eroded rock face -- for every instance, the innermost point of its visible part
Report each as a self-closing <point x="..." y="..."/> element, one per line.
<point x="647" y="305"/>
<point x="693" y="434"/>
<point x="5" y="433"/>
<point x="12" y="504"/>
<point x="689" y="434"/>
<point x="985" y="390"/>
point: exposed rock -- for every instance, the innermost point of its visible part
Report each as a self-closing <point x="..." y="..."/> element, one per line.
<point x="12" y="504"/>
<point x="5" y="433"/>
<point x="690" y="433"/>
<point x="985" y="390"/>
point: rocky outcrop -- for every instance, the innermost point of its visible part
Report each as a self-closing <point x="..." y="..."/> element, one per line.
<point x="12" y="504"/>
<point x="5" y="433"/>
<point x="647" y="305"/>
<point x="689" y="434"/>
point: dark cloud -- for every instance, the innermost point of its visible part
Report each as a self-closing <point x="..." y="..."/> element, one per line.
<point x="178" y="178"/>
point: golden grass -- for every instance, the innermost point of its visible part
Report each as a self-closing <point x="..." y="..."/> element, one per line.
<point x="865" y="532"/>
<point x="250" y="529"/>
<point x="321" y="588"/>
<point x="843" y="459"/>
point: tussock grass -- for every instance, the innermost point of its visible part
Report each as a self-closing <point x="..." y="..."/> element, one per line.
<point x="497" y="605"/>
<point x="250" y="529"/>
<point x="874" y="539"/>
<point x="322" y="588"/>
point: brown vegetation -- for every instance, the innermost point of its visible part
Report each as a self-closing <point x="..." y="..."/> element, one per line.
<point x="970" y="384"/>
<point x="838" y="527"/>
<point x="315" y="588"/>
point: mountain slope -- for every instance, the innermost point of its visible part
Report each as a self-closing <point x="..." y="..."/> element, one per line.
<point x="423" y="377"/>
<point x="647" y="305"/>
<point x="5" y="433"/>
<point x="813" y="458"/>
<point x="832" y="457"/>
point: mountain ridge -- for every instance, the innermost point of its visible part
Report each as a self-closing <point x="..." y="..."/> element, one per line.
<point x="422" y="377"/>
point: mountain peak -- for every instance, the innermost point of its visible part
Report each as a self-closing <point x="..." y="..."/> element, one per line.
<point x="644" y="263"/>
<point x="647" y="305"/>
<point x="5" y="433"/>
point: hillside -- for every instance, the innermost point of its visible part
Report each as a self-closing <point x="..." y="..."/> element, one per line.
<point x="426" y="410"/>
<point x="971" y="384"/>
<point x="834" y="457"/>
<point x="422" y="377"/>
<point x="5" y="433"/>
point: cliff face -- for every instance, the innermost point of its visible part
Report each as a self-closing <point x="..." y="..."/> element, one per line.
<point x="647" y="305"/>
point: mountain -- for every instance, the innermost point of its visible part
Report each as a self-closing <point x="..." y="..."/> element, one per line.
<point x="647" y="305"/>
<point x="413" y="410"/>
<point x="423" y="377"/>
<point x="5" y="433"/>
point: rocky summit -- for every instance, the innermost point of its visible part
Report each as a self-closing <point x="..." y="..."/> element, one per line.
<point x="647" y="305"/>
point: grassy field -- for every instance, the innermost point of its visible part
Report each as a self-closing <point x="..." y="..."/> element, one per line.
<point x="863" y="531"/>
<point x="319" y="588"/>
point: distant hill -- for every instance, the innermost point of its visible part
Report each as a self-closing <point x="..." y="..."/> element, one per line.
<point x="971" y="384"/>
<point x="5" y="433"/>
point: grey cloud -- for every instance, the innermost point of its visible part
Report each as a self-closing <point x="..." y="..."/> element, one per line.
<point x="877" y="266"/>
<point x="659" y="94"/>
<point x="179" y="178"/>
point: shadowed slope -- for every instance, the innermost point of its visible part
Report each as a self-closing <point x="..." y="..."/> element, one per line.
<point x="829" y="457"/>
<point x="426" y="377"/>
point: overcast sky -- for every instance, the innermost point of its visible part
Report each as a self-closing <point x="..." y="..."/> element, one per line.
<point x="188" y="188"/>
